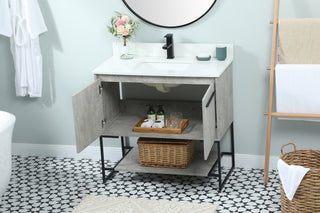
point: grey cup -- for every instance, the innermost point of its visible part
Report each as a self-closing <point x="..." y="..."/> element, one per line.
<point x="221" y="53"/>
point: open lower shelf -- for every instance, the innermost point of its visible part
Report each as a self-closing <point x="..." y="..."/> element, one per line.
<point x="198" y="166"/>
<point x="123" y="125"/>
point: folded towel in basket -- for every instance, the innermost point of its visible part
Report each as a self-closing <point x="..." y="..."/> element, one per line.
<point x="291" y="177"/>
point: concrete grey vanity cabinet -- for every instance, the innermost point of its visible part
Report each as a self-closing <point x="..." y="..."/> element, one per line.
<point x="98" y="109"/>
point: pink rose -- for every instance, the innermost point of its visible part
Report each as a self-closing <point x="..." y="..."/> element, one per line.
<point x="126" y="19"/>
<point x="119" y="22"/>
<point x="125" y="32"/>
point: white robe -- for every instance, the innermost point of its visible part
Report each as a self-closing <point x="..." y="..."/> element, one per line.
<point x="22" y="21"/>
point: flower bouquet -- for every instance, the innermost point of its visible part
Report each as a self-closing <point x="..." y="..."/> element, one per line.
<point x="122" y="26"/>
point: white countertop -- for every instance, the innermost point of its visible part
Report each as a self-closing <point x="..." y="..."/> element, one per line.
<point x="159" y="66"/>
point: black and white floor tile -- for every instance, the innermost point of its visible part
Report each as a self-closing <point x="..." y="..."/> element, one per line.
<point x="58" y="185"/>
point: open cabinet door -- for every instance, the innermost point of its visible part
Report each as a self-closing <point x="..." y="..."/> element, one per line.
<point x="209" y="120"/>
<point x="88" y="115"/>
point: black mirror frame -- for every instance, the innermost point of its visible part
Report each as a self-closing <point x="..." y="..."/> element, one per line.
<point x="143" y="19"/>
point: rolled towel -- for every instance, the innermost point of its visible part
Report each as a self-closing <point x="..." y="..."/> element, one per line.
<point x="147" y="123"/>
<point x="158" y="124"/>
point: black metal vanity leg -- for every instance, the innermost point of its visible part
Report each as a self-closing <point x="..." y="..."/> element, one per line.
<point x="122" y="146"/>
<point x="232" y="146"/>
<point x="218" y="162"/>
<point x="219" y="165"/>
<point x="111" y="171"/>
<point x="102" y="160"/>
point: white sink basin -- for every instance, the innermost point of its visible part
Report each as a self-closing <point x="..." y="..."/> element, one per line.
<point x="168" y="66"/>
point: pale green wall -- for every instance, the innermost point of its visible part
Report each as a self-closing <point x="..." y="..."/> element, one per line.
<point x="77" y="41"/>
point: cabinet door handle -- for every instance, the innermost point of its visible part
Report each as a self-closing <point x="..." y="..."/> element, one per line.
<point x="210" y="99"/>
<point x="100" y="89"/>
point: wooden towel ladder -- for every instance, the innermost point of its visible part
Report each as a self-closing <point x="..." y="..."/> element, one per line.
<point x="270" y="113"/>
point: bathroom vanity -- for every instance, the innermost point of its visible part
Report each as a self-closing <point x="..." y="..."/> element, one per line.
<point x="99" y="111"/>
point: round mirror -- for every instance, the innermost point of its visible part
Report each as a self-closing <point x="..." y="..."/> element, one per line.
<point x="169" y="13"/>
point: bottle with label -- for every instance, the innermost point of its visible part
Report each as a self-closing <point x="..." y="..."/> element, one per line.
<point x="151" y="114"/>
<point x="160" y="113"/>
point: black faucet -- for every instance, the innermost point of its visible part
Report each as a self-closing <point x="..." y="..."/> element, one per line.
<point x="169" y="46"/>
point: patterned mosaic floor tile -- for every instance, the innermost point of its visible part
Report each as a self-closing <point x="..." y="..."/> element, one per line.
<point x="58" y="185"/>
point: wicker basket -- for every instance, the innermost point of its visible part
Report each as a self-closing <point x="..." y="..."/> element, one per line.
<point x="307" y="196"/>
<point x="168" y="153"/>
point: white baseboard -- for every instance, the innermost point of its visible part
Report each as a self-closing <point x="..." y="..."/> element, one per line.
<point x="114" y="154"/>
<point x="65" y="151"/>
<point x="250" y="161"/>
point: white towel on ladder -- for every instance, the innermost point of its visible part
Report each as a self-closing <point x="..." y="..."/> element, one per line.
<point x="24" y="25"/>
<point x="298" y="89"/>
